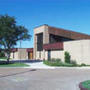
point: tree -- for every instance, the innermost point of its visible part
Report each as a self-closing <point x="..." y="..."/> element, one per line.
<point x="10" y="33"/>
<point x="67" y="57"/>
<point x="2" y="54"/>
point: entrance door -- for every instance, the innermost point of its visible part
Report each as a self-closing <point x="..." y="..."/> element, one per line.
<point x="49" y="55"/>
<point x="30" y="55"/>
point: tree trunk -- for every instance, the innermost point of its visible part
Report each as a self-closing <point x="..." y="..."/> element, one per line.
<point x="8" y="57"/>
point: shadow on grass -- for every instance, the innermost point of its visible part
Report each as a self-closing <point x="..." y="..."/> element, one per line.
<point x="19" y="61"/>
<point x="13" y="74"/>
<point x="6" y="63"/>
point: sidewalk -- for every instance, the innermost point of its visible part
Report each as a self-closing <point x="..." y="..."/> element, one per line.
<point x="39" y="65"/>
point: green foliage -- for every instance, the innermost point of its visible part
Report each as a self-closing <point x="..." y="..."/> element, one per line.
<point x="53" y="62"/>
<point x="3" y="58"/>
<point x="67" y="57"/>
<point x="50" y="63"/>
<point x="86" y="84"/>
<point x="53" y="59"/>
<point x="83" y="64"/>
<point x="73" y="62"/>
<point x="68" y="65"/>
<point x="13" y="65"/>
<point x="10" y="33"/>
<point x="57" y="62"/>
<point x="2" y="54"/>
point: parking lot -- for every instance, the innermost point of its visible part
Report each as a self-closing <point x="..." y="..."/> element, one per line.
<point x="42" y="79"/>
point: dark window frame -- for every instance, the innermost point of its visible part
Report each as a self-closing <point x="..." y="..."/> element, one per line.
<point x="40" y="42"/>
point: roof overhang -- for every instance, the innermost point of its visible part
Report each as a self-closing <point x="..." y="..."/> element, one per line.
<point x="54" y="46"/>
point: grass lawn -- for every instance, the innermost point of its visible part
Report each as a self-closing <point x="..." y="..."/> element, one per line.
<point x="3" y="58"/>
<point x="14" y="65"/>
<point x="86" y="84"/>
<point x="59" y="63"/>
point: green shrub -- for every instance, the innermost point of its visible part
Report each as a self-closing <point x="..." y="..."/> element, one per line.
<point x="68" y="65"/>
<point x="50" y="63"/>
<point x="67" y="57"/>
<point x="53" y="59"/>
<point x="53" y="63"/>
<point x="86" y="84"/>
<point x="58" y="60"/>
<point x="73" y="62"/>
<point x="83" y="64"/>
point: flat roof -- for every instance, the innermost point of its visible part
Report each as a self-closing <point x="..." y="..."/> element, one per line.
<point x="66" y="33"/>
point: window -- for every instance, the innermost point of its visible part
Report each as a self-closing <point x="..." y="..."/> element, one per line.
<point x="55" y="38"/>
<point x="40" y="42"/>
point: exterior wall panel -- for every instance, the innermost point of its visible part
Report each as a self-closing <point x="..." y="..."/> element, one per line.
<point x="79" y="50"/>
<point x="15" y="56"/>
<point x="22" y="54"/>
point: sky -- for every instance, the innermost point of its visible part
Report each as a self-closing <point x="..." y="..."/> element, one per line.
<point x="68" y="14"/>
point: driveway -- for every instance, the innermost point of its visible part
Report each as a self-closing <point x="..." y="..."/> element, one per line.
<point x="42" y="79"/>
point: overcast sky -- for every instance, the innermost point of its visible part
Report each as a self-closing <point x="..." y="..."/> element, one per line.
<point x="67" y="14"/>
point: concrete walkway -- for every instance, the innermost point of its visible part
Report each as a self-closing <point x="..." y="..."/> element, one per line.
<point x="39" y="65"/>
